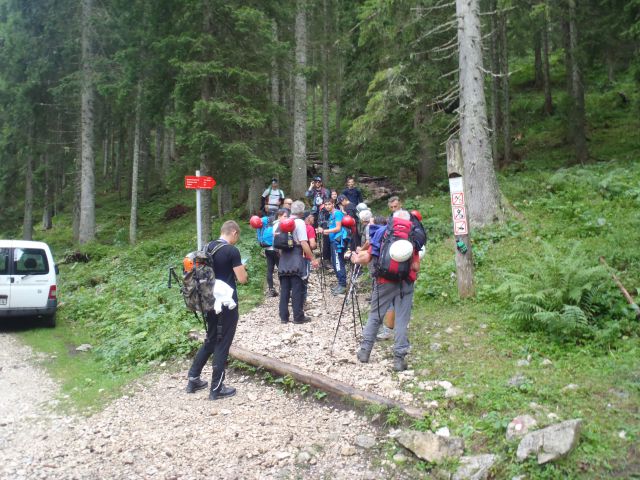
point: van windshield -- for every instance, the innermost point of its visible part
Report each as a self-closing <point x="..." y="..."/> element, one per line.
<point x="4" y="261"/>
<point x="30" y="261"/>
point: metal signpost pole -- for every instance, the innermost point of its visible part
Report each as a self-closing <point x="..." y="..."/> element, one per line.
<point x="198" y="216"/>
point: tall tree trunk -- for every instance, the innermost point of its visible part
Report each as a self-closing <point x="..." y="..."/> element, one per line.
<point x="145" y="158"/>
<point x="166" y="153"/>
<point x="325" y="92"/>
<point x="206" y="198"/>
<point x="426" y="148"/>
<point x="87" y="227"/>
<point x="579" y="116"/>
<point x="314" y="101"/>
<point x="105" y="153"/>
<point x="27" y="222"/>
<point x="299" y="166"/>
<point x="537" y="55"/>
<point x="253" y="201"/>
<point x="339" y="72"/>
<point x="275" y="95"/>
<point x="47" y="210"/>
<point x="135" y="164"/>
<point x="506" y="114"/>
<point x="546" y="70"/>
<point x="157" y="154"/>
<point x="481" y="183"/>
<point x="496" y="70"/>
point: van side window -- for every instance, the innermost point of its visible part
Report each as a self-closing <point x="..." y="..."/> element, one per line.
<point x="4" y="261"/>
<point x="30" y="261"/>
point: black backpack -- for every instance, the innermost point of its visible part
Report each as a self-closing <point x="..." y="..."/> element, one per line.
<point x="199" y="277"/>
<point x="283" y="240"/>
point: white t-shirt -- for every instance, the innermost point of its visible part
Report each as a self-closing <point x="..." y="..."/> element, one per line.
<point x="273" y="197"/>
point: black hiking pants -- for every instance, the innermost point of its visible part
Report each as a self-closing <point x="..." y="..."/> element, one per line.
<point x="291" y="286"/>
<point x="219" y="348"/>
<point x="272" y="261"/>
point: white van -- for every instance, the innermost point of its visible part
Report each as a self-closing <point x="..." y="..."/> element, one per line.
<point x="28" y="281"/>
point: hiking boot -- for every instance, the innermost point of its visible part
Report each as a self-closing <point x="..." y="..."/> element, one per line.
<point x="224" y="392"/>
<point x="385" y="333"/>
<point x="304" y="320"/>
<point x="363" y="355"/>
<point x="339" y="290"/>
<point x="284" y="320"/>
<point x="399" y="364"/>
<point x="195" y="384"/>
<point x="272" y="292"/>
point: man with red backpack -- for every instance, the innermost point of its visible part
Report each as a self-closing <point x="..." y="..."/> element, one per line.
<point x="395" y="252"/>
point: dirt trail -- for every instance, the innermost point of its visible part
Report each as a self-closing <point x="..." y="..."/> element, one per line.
<point x="159" y="431"/>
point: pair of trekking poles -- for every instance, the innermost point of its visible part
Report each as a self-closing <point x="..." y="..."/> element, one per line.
<point x="351" y="295"/>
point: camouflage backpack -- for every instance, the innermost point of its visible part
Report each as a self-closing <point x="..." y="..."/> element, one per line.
<point x="198" y="279"/>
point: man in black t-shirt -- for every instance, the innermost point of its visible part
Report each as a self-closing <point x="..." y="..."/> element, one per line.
<point x="221" y="327"/>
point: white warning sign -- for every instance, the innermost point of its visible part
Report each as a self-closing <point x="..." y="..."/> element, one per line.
<point x="460" y="228"/>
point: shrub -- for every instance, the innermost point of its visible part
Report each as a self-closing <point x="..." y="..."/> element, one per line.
<point x="564" y="296"/>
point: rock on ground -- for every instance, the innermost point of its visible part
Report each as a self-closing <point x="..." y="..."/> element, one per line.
<point x="475" y="467"/>
<point x="431" y="447"/>
<point x="550" y="443"/>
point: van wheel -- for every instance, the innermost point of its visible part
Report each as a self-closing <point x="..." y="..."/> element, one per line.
<point x="49" y="321"/>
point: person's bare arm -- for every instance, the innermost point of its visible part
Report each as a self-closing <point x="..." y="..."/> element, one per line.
<point x="241" y="274"/>
<point x="362" y="257"/>
<point x="307" y="250"/>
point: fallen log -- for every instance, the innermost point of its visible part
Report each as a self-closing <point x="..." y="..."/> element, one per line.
<point x="320" y="381"/>
<point x="624" y="291"/>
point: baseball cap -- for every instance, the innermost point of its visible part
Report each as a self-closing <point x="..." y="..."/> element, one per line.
<point x="341" y="198"/>
<point x="317" y="178"/>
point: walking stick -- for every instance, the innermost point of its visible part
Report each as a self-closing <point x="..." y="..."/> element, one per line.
<point x="350" y="292"/>
<point x="322" y="282"/>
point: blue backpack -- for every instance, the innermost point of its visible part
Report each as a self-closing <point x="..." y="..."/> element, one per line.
<point x="265" y="234"/>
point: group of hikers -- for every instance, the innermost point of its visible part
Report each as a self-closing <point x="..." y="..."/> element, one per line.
<point x="343" y="230"/>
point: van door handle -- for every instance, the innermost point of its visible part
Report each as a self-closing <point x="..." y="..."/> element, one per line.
<point x="12" y="279"/>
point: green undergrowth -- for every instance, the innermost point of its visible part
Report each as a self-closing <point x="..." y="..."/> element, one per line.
<point x="542" y="294"/>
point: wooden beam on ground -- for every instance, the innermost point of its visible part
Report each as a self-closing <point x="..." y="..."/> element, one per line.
<point x="320" y="381"/>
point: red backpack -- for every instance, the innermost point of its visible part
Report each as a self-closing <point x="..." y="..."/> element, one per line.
<point x="387" y="267"/>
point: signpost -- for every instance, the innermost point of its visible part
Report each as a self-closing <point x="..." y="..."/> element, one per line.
<point x="464" y="257"/>
<point x="198" y="183"/>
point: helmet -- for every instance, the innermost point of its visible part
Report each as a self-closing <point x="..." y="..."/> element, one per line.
<point x="401" y="250"/>
<point x="361" y="206"/>
<point x="255" y="222"/>
<point x="287" y="225"/>
<point x="422" y="251"/>
<point x="348" y="221"/>
<point x="365" y="215"/>
<point x="417" y="214"/>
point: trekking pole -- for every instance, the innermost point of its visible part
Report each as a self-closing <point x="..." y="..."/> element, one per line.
<point x="349" y="291"/>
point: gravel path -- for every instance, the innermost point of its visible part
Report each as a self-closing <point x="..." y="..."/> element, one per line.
<point x="158" y="431"/>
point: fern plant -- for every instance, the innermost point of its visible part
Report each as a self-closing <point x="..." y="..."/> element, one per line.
<point x="562" y="295"/>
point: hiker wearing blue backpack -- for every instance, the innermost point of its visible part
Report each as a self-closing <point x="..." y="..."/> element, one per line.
<point x="264" y="235"/>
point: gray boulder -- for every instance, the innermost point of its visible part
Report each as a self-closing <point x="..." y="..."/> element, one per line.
<point x="550" y="443"/>
<point x="431" y="447"/>
<point x="475" y="467"/>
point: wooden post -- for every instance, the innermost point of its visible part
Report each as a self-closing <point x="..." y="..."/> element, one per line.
<point x="459" y="211"/>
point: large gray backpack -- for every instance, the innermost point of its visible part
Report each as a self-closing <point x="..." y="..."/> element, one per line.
<point x="199" y="278"/>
